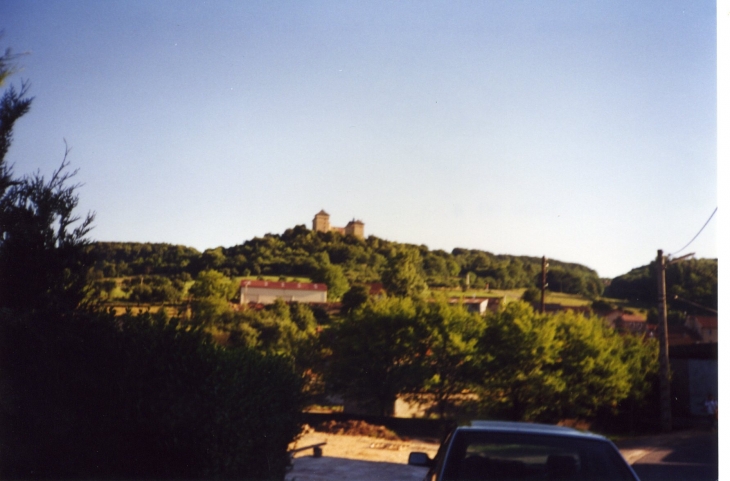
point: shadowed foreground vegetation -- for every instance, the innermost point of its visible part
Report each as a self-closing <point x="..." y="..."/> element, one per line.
<point x="139" y="397"/>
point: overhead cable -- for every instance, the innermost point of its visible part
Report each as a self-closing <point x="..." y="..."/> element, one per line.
<point x="697" y="235"/>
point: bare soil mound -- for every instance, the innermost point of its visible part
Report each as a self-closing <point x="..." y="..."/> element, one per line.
<point x="356" y="428"/>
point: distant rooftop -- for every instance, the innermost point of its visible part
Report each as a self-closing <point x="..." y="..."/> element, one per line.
<point x="303" y="286"/>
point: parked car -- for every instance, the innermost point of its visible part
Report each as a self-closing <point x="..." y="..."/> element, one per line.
<point x="497" y="450"/>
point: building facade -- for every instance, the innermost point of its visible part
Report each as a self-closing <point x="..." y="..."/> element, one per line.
<point x="355" y="228"/>
<point x="472" y="304"/>
<point x="321" y="223"/>
<point x="267" y="292"/>
<point x="704" y="326"/>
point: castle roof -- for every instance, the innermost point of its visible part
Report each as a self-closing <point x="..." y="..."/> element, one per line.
<point x="322" y="212"/>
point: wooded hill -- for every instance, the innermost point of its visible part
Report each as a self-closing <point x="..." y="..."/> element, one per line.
<point x="300" y="252"/>
<point x="691" y="285"/>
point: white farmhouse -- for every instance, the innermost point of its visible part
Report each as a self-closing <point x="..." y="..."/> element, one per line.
<point x="266" y="292"/>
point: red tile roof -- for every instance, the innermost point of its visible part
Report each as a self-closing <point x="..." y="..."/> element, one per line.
<point x="707" y="322"/>
<point x="677" y="335"/>
<point x="376" y="288"/>
<point x="300" y="286"/>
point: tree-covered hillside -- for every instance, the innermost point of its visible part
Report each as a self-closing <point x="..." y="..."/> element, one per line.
<point x="119" y="259"/>
<point x="302" y="252"/>
<point x="693" y="280"/>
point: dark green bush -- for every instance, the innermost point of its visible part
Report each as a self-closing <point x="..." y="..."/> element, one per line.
<point x="93" y="396"/>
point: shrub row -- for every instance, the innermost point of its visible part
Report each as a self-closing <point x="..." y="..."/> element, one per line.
<point x="97" y="397"/>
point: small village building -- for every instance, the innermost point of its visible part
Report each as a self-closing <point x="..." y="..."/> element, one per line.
<point x="631" y="323"/>
<point x="376" y="290"/>
<point x="267" y="292"/>
<point x="612" y="318"/>
<point x="472" y="304"/>
<point x="626" y="321"/>
<point x="677" y="335"/>
<point x="704" y="326"/>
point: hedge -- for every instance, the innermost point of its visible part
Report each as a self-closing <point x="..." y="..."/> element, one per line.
<point x="139" y="397"/>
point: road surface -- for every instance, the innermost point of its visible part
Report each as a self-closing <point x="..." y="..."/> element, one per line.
<point x="685" y="455"/>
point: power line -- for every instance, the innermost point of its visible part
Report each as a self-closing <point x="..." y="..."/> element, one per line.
<point x="697" y="235"/>
<point x="695" y="304"/>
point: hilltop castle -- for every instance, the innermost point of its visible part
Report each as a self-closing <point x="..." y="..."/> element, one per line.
<point x="321" y="223"/>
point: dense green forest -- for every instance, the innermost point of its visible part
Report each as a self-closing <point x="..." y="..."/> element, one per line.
<point x="335" y="258"/>
<point x="690" y="284"/>
<point x="302" y="252"/>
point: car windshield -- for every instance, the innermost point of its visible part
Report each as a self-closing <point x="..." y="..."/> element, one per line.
<point x="476" y="455"/>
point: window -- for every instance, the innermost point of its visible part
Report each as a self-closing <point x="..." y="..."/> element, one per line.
<point x="478" y="455"/>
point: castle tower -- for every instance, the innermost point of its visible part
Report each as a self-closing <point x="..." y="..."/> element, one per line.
<point x="321" y="222"/>
<point x="355" y="228"/>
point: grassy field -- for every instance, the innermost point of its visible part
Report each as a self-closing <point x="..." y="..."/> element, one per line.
<point x="511" y="295"/>
<point x="120" y="303"/>
<point x="567" y="299"/>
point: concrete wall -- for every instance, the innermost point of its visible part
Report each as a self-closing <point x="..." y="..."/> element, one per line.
<point x="702" y="381"/>
<point x="694" y="376"/>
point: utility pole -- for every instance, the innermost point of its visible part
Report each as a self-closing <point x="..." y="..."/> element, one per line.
<point x="665" y="396"/>
<point x="544" y="285"/>
<point x="665" y="400"/>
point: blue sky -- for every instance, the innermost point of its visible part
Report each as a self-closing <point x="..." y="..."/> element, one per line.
<point x="585" y="131"/>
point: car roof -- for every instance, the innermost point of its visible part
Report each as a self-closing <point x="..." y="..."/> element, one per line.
<point x="531" y="428"/>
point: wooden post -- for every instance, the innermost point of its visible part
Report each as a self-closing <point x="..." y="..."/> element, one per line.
<point x="544" y="285"/>
<point x="665" y="400"/>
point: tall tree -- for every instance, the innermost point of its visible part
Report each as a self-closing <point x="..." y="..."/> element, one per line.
<point x="332" y="275"/>
<point x="354" y="298"/>
<point x="451" y="363"/>
<point x="13" y="105"/>
<point x="44" y="259"/>
<point x="211" y="293"/>
<point x="402" y="276"/>
<point x="519" y="352"/>
<point x="377" y="353"/>
<point x="593" y="364"/>
<point x="550" y="367"/>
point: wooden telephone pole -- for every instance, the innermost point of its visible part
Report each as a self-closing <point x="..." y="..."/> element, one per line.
<point x="665" y="396"/>
<point x="544" y="285"/>
<point x="665" y="399"/>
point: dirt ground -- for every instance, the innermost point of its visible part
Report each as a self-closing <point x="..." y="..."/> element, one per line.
<point x="364" y="458"/>
<point x="357" y="458"/>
